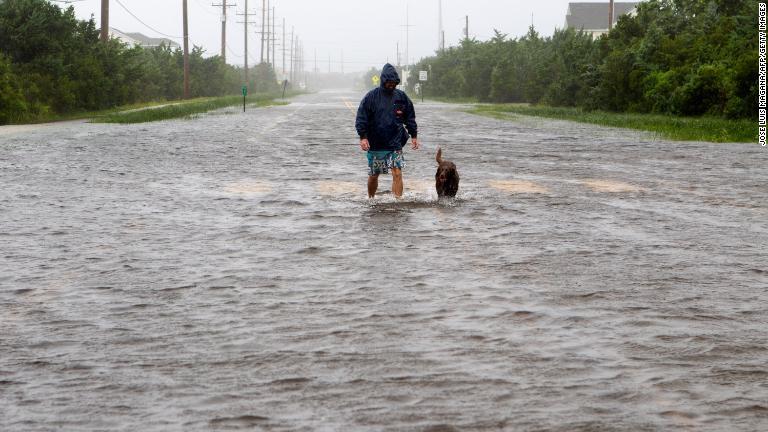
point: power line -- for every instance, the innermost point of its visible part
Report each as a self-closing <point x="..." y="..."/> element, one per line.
<point x="153" y="29"/>
<point x="224" y="7"/>
<point x="205" y="8"/>
<point x="231" y="51"/>
<point x="145" y="24"/>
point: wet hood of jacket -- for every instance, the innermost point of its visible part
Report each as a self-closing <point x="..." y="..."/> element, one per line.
<point x="389" y="73"/>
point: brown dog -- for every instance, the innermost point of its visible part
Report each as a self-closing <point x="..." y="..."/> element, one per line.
<point x="446" y="177"/>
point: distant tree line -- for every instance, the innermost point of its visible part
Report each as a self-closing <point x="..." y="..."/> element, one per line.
<point x="52" y="63"/>
<point x="680" y="57"/>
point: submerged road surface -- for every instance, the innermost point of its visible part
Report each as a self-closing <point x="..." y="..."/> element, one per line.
<point x="228" y="272"/>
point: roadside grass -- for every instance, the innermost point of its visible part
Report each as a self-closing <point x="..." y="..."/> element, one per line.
<point x="459" y="100"/>
<point x="183" y="109"/>
<point x="712" y="129"/>
<point x="123" y="111"/>
<point x="49" y="117"/>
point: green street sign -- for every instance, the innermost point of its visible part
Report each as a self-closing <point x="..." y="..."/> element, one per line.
<point x="245" y="90"/>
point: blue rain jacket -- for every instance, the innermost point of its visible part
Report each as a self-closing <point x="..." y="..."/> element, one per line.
<point x="384" y="116"/>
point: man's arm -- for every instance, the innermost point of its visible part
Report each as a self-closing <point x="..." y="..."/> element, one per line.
<point x="361" y="121"/>
<point x="410" y="124"/>
<point x="361" y="124"/>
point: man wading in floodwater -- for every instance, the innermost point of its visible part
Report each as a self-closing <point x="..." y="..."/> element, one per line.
<point x="382" y="119"/>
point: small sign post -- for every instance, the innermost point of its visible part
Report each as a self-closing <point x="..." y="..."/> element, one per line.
<point x="423" y="78"/>
<point x="245" y="93"/>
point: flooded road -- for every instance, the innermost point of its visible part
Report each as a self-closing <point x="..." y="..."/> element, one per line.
<point x="229" y="273"/>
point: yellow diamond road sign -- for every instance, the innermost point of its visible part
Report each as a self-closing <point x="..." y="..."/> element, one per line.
<point x="375" y="80"/>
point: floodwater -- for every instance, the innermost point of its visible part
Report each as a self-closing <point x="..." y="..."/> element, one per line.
<point x="229" y="272"/>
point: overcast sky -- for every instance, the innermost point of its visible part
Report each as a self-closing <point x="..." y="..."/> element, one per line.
<point x="365" y="32"/>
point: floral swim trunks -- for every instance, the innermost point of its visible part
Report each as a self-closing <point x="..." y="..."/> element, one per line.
<point x="379" y="162"/>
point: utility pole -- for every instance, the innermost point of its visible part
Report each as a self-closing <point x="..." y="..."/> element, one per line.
<point x="292" y="60"/>
<point x="610" y="15"/>
<point x="224" y="31"/>
<point x="283" y="48"/>
<point x="104" y="20"/>
<point x="186" y="51"/>
<point x="224" y="7"/>
<point x="466" y="29"/>
<point x="299" y="60"/>
<point x="245" y="15"/>
<point x="245" y="50"/>
<point x="263" y="14"/>
<point x="440" y="32"/>
<point x="407" y="35"/>
<point x="274" y="39"/>
<point x="296" y="54"/>
<point x="303" y="65"/>
<point x="269" y="32"/>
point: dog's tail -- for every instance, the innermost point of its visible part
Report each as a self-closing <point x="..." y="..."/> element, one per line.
<point x="439" y="155"/>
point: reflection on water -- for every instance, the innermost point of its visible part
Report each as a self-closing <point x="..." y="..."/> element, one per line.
<point x="225" y="274"/>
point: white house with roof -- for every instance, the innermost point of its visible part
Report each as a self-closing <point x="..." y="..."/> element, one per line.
<point x="592" y="17"/>
<point x="138" y="39"/>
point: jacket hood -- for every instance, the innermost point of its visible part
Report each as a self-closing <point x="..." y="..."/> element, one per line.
<point x="389" y="73"/>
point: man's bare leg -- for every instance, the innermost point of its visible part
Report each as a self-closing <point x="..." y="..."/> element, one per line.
<point x="373" y="184"/>
<point x="397" y="182"/>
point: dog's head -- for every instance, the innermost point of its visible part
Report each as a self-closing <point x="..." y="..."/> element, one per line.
<point x="446" y="172"/>
<point x="446" y="177"/>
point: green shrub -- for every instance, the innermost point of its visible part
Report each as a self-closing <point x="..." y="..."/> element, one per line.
<point x="67" y="69"/>
<point x="12" y="103"/>
<point x="683" y="57"/>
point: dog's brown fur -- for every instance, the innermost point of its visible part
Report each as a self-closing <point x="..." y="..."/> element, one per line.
<point x="446" y="177"/>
